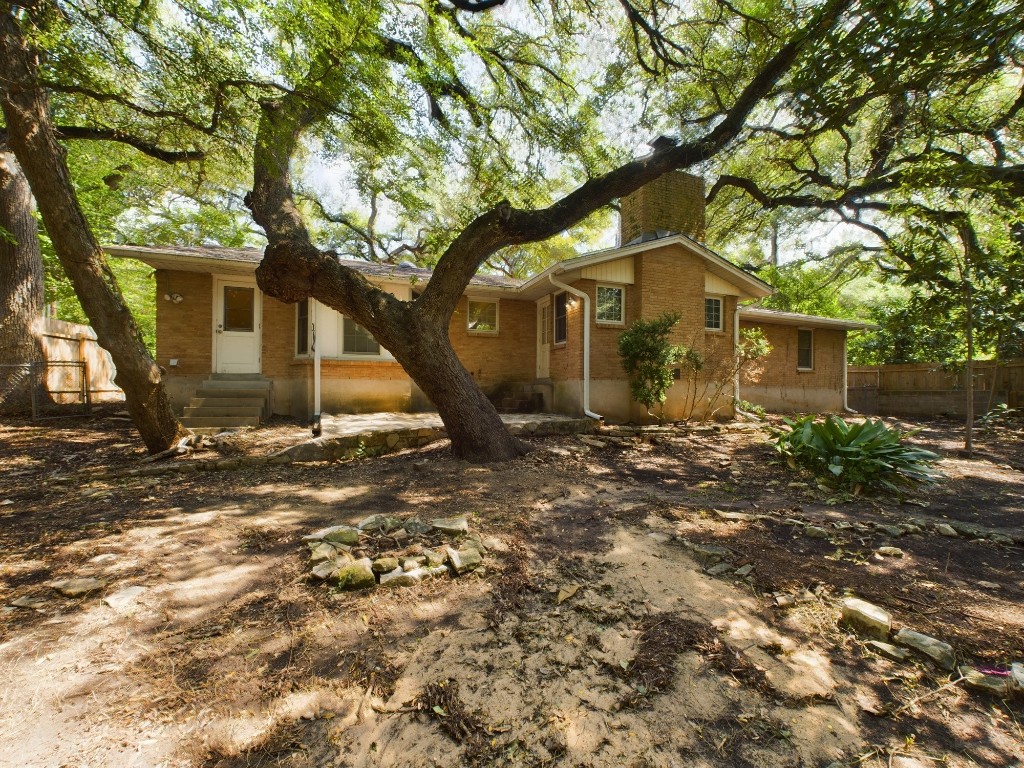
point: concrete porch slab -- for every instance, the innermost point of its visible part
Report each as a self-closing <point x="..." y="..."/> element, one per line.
<point x="344" y="424"/>
<point x="353" y="435"/>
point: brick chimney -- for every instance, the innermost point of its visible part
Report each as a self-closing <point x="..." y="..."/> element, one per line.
<point x="670" y="204"/>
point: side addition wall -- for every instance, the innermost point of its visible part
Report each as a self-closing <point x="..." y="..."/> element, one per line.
<point x="777" y="385"/>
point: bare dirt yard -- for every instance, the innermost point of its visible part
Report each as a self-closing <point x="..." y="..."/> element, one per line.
<point x="666" y="600"/>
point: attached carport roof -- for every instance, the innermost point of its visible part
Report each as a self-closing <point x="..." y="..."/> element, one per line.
<point x="778" y="317"/>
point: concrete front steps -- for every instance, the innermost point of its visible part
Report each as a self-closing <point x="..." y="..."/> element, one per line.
<point x="228" y="401"/>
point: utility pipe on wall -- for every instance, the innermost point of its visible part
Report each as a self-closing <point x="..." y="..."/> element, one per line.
<point x="586" y="341"/>
<point x="736" y="354"/>
<point x="315" y="306"/>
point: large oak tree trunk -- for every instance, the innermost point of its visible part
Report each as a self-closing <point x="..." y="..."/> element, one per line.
<point x="42" y="158"/>
<point x="21" y="287"/>
<point x="474" y="426"/>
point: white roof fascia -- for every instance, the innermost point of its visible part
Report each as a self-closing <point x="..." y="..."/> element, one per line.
<point x="181" y="262"/>
<point x="778" y="317"/>
<point x="757" y="287"/>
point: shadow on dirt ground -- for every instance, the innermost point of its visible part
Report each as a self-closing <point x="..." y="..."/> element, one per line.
<point x="665" y="600"/>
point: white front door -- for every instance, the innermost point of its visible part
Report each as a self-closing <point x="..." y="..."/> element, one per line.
<point x="236" y="326"/>
<point x="544" y="338"/>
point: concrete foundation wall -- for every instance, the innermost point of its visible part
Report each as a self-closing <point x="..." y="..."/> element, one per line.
<point x="793" y="398"/>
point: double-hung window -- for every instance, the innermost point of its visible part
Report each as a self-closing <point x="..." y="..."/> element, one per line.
<point x="611" y="304"/>
<point x="805" y="349"/>
<point x="712" y="313"/>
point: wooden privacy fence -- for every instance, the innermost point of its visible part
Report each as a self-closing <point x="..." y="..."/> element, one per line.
<point x="65" y="342"/>
<point x="926" y="389"/>
<point x="70" y="373"/>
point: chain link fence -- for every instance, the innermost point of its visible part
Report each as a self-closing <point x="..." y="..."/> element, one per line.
<point x="44" y="389"/>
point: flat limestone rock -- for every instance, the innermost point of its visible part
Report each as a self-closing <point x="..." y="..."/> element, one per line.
<point x="27" y="601"/>
<point x="890" y="551"/>
<point x="124" y="600"/>
<point x="888" y="650"/>
<point x="325" y="569"/>
<point x="974" y="678"/>
<point x="946" y="530"/>
<point x="870" y="619"/>
<point x="735" y="517"/>
<point x="385" y="564"/>
<point x="1017" y="674"/>
<point x="451" y="525"/>
<point x="434" y="557"/>
<point x="936" y="650"/>
<point x="77" y="587"/>
<point x="356" y="575"/>
<point x="707" y="554"/>
<point x="322" y="551"/>
<point x="403" y="578"/>
<point x="463" y="560"/>
<point x="339" y="534"/>
<point x="381" y="523"/>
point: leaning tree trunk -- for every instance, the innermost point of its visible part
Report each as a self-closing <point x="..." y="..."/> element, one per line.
<point x="42" y="158"/>
<point x="473" y="424"/>
<point x="21" y="288"/>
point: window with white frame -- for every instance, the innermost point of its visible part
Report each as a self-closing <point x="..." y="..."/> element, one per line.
<point x="712" y="313"/>
<point x="611" y="304"/>
<point x="356" y="340"/>
<point x="805" y="349"/>
<point x="482" y="316"/>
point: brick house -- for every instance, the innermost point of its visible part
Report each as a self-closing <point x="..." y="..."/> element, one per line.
<point x="548" y="342"/>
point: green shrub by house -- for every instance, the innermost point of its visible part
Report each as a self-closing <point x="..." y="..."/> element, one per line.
<point x="648" y="357"/>
<point x="864" y="455"/>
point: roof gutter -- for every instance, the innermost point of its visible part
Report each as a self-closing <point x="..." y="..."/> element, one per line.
<point x="586" y="342"/>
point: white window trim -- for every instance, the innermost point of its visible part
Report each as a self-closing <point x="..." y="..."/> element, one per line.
<point x="497" y="315"/>
<point x="798" y="366"/>
<point x="383" y="354"/>
<point x="622" y="306"/>
<point x="721" y="313"/>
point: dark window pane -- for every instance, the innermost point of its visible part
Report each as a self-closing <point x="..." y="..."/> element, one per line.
<point x="238" y="308"/>
<point x="302" y="327"/>
<point x="358" y="340"/>
<point x="483" y="316"/>
<point x="561" y="318"/>
<point x="805" y="349"/>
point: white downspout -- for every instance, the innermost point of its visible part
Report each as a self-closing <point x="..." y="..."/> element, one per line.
<point x="316" y="370"/>
<point x="846" y="373"/>
<point x="586" y="342"/>
<point x="736" y="355"/>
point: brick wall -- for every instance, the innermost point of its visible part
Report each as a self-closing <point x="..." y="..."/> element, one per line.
<point x="185" y="331"/>
<point x="278" y="339"/>
<point x="776" y="383"/>
<point x="510" y="356"/>
<point x="673" y="202"/>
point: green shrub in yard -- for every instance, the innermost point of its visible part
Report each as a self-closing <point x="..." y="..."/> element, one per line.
<point x="855" y="456"/>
